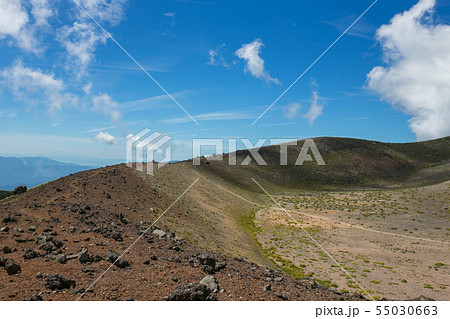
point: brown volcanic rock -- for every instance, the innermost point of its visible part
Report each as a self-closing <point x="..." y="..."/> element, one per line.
<point x="68" y="215"/>
<point x="189" y="292"/>
<point x="11" y="266"/>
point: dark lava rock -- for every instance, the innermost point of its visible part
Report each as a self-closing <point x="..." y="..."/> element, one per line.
<point x="85" y="257"/>
<point x="57" y="282"/>
<point x="11" y="266"/>
<point x="36" y="297"/>
<point x="116" y="236"/>
<point x="113" y="257"/>
<point x="282" y="296"/>
<point x="19" y="190"/>
<point x="8" y="219"/>
<point x="62" y="258"/>
<point x="110" y="232"/>
<point x="220" y="265"/>
<point x="48" y="243"/>
<point x="189" y="292"/>
<point x="6" y="250"/>
<point x="205" y="261"/>
<point x="30" y="253"/>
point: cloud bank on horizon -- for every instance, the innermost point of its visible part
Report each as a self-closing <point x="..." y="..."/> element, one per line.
<point x="416" y="75"/>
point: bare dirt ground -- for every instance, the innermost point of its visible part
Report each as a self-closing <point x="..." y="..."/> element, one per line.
<point x="108" y="209"/>
<point x="394" y="243"/>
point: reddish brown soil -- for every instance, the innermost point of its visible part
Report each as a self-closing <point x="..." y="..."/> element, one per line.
<point x="114" y="194"/>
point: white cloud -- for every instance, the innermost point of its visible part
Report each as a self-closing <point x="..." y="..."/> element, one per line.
<point x="87" y="88"/>
<point x="212" y="57"/>
<point x="315" y="109"/>
<point x="110" y="11"/>
<point x="104" y="104"/>
<point x="216" y="57"/>
<point x="82" y="37"/>
<point x="105" y="137"/>
<point x="13" y="17"/>
<point x="255" y="64"/>
<point x="291" y="111"/>
<point x="170" y="14"/>
<point x="33" y="84"/>
<point x="13" y="23"/>
<point x="416" y="78"/>
<point x="41" y="11"/>
<point x="80" y="41"/>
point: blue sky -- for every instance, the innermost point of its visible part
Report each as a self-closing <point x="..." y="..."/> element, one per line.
<point x="69" y="92"/>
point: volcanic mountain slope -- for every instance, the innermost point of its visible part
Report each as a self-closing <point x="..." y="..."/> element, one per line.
<point x="223" y="212"/>
<point x="349" y="163"/>
<point x="104" y="210"/>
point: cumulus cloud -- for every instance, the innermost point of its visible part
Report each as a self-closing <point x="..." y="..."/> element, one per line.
<point x="105" y="137"/>
<point x="33" y="84"/>
<point x="255" y="64"/>
<point x="291" y="111"/>
<point x="14" y="24"/>
<point x="104" y="104"/>
<point x="416" y="75"/>
<point x="13" y="17"/>
<point x="315" y="109"/>
<point x="80" y="41"/>
<point x="42" y="11"/>
<point x="82" y="37"/>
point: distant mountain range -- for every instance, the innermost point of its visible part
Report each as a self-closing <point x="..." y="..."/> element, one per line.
<point x="32" y="171"/>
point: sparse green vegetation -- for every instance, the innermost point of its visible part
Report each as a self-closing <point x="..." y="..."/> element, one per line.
<point x="5" y="194"/>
